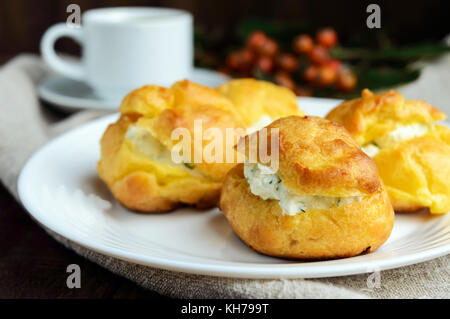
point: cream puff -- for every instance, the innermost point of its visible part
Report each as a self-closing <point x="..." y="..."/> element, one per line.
<point x="136" y="160"/>
<point x="411" y="150"/>
<point x="325" y="200"/>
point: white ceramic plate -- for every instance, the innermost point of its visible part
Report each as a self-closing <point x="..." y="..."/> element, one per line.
<point x="70" y="95"/>
<point x="60" y="188"/>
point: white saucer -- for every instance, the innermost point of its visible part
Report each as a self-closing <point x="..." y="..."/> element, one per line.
<point x="70" y="95"/>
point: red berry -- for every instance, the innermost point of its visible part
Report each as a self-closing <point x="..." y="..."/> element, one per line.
<point x="247" y="57"/>
<point x="302" y="44"/>
<point x="265" y="64"/>
<point x="284" y="79"/>
<point x="311" y="74"/>
<point x="334" y="64"/>
<point x="256" y="40"/>
<point x="269" y="48"/>
<point x="287" y="62"/>
<point x="240" y="60"/>
<point x="319" y="55"/>
<point x="327" y="76"/>
<point x="327" y="37"/>
<point x="346" y="80"/>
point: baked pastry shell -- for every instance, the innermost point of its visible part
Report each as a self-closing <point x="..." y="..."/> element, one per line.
<point x="253" y="98"/>
<point x="350" y="230"/>
<point x="416" y="173"/>
<point x="375" y="115"/>
<point x="146" y="186"/>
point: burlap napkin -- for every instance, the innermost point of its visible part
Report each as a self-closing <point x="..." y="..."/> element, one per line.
<point x="25" y="125"/>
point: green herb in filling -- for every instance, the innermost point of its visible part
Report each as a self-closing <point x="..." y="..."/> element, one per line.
<point x="189" y="165"/>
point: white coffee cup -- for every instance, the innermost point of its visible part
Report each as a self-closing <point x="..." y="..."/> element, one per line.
<point x="125" y="48"/>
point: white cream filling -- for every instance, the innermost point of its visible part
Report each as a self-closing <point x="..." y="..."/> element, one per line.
<point x="268" y="185"/>
<point x="401" y="134"/>
<point x="148" y="145"/>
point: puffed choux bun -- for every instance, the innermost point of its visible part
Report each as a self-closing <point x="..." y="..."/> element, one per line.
<point x="411" y="151"/>
<point x="136" y="162"/>
<point x="326" y="199"/>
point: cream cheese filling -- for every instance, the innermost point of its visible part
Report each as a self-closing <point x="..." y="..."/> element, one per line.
<point x="144" y="142"/>
<point x="267" y="184"/>
<point x="401" y="134"/>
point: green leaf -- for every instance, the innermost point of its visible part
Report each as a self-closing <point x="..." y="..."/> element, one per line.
<point x="418" y="52"/>
<point x="385" y="77"/>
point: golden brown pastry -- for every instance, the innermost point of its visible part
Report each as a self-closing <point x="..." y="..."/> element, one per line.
<point x="259" y="102"/>
<point x="411" y="151"/>
<point x="326" y="199"/>
<point x="136" y="162"/>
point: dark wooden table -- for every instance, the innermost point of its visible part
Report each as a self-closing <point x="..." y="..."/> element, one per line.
<point x="33" y="264"/>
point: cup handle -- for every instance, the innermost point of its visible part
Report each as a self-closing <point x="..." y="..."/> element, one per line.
<point x="70" y="69"/>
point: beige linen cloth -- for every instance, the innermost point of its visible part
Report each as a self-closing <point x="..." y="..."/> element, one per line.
<point x="25" y="125"/>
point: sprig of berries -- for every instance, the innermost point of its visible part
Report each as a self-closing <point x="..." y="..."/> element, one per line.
<point x="262" y="55"/>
